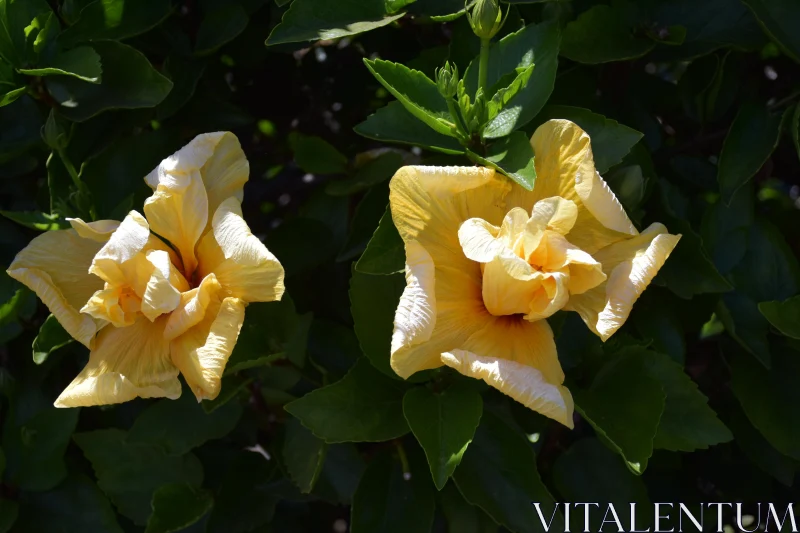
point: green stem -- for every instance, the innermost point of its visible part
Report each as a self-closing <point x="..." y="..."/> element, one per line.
<point x="401" y="453"/>
<point x="85" y="204"/>
<point x="453" y="108"/>
<point x="76" y="180"/>
<point x="483" y="65"/>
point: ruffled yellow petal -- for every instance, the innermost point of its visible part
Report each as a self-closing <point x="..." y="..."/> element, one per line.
<point x="415" y="318"/>
<point x="125" y="363"/>
<point x="160" y="296"/>
<point x="129" y="239"/>
<point x="192" y="308"/>
<point x="203" y="351"/>
<point x="630" y="266"/>
<point x="55" y="265"/>
<point x="99" y="231"/>
<point x="190" y="185"/>
<point x="519" y="359"/>
<point x="239" y="260"/>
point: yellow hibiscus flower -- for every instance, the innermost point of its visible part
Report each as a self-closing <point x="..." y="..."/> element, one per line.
<point x="487" y="262"/>
<point x="160" y="294"/>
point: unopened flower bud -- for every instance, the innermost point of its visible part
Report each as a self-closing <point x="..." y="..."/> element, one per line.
<point x="486" y="18"/>
<point x="447" y="80"/>
<point x="54" y="133"/>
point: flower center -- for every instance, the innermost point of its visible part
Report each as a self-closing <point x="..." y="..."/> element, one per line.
<point x="528" y="265"/>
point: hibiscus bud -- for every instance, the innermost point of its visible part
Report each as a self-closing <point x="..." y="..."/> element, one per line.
<point x="53" y="133"/>
<point x="486" y="18"/>
<point x="447" y="80"/>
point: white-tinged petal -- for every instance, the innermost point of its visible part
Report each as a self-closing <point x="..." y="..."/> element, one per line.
<point x="160" y="296"/>
<point x="130" y="238"/>
<point x="556" y="213"/>
<point x="192" y="308"/>
<point x="99" y="231"/>
<point x="415" y="318"/>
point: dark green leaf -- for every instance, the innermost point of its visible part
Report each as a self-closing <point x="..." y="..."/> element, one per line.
<point x="743" y="321"/>
<point x="444" y="425"/>
<point x="750" y="141"/>
<point x="177" y="506"/>
<point x="11" y="95"/>
<point x="36" y="220"/>
<point x="794" y="128"/>
<point x="180" y="425"/>
<point x="82" y="63"/>
<point x="129" y="82"/>
<point x="25" y="26"/>
<point x="51" y="337"/>
<point x="220" y="26"/>
<point x="309" y="20"/>
<point x="375" y="171"/>
<point x="114" y="20"/>
<point x="364" y="406"/>
<point x="498" y="474"/>
<point x="785" y="316"/>
<point x="385" y="252"/>
<point x="373" y="303"/>
<point x="388" y="502"/>
<point x="624" y="404"/>
<point x="726" y="229"/>
<point x="758" y="450"/>
<point x="231" y="387"/>
<point x="513" y="157"/>
<point x="365" y="220"/>
<point x="780" y="19"/>
<point x="461" y="516"/>
<point x="770" y="398"/>
<point x="416" y="92"/>
<point x="184" y="75"/>
<point x="600" y="35"/>
<point x="393" y="123"/>
<point x="316" y="155"/>
<point x="303" y="454"/>
<point x="9" y="511"/>
<point x="341" y="473"/>
<point x="611" y="141"/>
<point x="265" y="336"/>
<point x="769" y="270"/>
<point x="75" y="506"/>
<point x="590" y="472"/>
<point x="34" y="447"/>
<point x="129" y="473"/>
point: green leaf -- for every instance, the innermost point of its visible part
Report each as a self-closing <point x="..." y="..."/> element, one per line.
<point x="388" y="502"/>
<point x="35" y="446"/>
<point x="82" y="63"/>
<point x="309" y="20"/>
<point x="130" y="473"/>
<point x="51" y="337"/>
<point x="743" y="321"/>
<point x="265" y="335"/>
<point x="769" y="269"/>
<point x="10" y="96"/>
<point x="303" y="454"/>
<point x="444" y="425"/>
<point x="231" y="387"/>
<point x="340" y="474"/>
<point x="316" y="155"/>
<point x="688" y="423"/>
<point x="600" y="35"/>
<point x="244" y="501"/>
<point x="114" y="20"/>
<point x="611" y="141"/>
<point x="503" y="96"/>
<point x="751" y="139"/>
<point x="9" y="510"/>
<point x="537" y="43"/>
<point x="461" y="516"/>
<point x="624" y="404"/>
<point x="794" y="127"/>
<point x="184" y="75"/>
<point x="784" y="316"/>
<point x="590" y="472"/>
<point x="76" y="505"/>
<point x="375" y="171"/>
<point x="24" y="26"/>
<point x="366" y="219"/>
<point x="726" y="229"/>
<point x="177" y="506"/>
<point x="760" y="452"/>
<point x="441" y="10"/>
<point x="770" y="398"/>
<point x="512" y="156"/>
<point x="129" y="82"/>
<point x="373" y="303"/>
<point x="181" y="425"/>
<point x="220" y="26"/>
<point x="498" y="474"/>
<point x="416" y="92"/>
<point x="36" y="220"/>
<point x="365" y="405"/>
<point x="779" y="19"/>
<point x="385" y="252"/>
<point x="393" y="123"/>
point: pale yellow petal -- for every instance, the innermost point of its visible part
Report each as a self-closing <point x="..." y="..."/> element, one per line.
<point x="509" y="284"/>
<point x="128" y="240"/>
<point x="555" y="213"/>
<point x="192" y="308"/>
<point x="55" y="265"/>
<point x="116" y="305"/>
<point x="203" y="351"/>
<point x="241" y="263"/>
<point x="552" y="296"/>
<point x="125" y="363"/>
<point x="479" y="240"/>
<point x="160" y="296"/>
<point x="415" y="319"/>
<point x="219" y="159"/>
<point x="99" y="231"/>
<point x="630" y="266"/>
<point x="519" y="359"/>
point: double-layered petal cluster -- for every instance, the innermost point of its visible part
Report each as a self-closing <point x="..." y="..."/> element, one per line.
<point x="487" y="262"/>
<point x="160" y="294"/>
